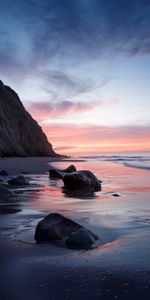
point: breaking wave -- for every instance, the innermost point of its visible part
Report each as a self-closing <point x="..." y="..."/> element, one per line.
<point x="132" y="161"/>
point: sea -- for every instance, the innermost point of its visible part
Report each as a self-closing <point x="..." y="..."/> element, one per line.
<point x="120" y="209"/>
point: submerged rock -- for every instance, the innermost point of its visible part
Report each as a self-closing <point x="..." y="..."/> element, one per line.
<point x="81" y="193"/>
<point x="19" y="180"/>
<point x="59" y="174"/>
<point x="8" y="210"/>
<point x="81" y="180"/>
<point x="57" y="227"/>
<point x="115" y="195"/>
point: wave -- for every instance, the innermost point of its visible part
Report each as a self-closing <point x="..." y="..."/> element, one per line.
<point x="136" y="165"/>
<point x="132" y="161"/>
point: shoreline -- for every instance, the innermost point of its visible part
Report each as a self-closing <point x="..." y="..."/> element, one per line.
<point x="117" y="269"/>
<point x="31" y="165"/>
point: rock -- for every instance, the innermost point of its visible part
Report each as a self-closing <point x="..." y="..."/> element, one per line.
<point x="20" y="133"/>
<point x="19" y="180"/>
<point x="57" y="227"/>
<point x="115" y="195"/>
<point x="81" y="180"/>
<point x="82" y="193"/>
<point x="70" y="169"/>
<point x="4" y="191"/>
<point x="54" y="227"/>
<point x="59" y="174"/>
<point x="81" y="239"/>
<point x="3" y="173"/>
<point x="8" y="210"/>
<point x="55" y="174"/>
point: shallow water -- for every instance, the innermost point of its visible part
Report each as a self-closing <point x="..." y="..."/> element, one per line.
<point x="111" y="217"/>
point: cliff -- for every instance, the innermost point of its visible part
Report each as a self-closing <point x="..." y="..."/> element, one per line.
<point x="20" y="134"/>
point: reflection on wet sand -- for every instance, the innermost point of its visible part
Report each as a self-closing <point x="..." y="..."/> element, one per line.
<point x="101" y="210"/>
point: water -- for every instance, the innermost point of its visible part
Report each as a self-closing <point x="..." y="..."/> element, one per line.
<point x="128" y="214"/>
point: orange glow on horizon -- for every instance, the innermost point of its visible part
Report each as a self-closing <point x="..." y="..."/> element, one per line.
<point x="71" y="140"/>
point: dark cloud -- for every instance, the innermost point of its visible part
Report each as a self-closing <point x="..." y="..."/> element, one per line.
<point x="38" y="32"/>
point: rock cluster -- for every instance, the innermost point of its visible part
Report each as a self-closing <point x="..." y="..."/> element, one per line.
<point x="6" y="182"/>
<point x="81" y="183"/>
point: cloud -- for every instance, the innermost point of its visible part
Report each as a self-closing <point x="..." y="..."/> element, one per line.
<point x="45" y="110"/>
<point x="59" y="85"/>
<point x="64" y="32"/>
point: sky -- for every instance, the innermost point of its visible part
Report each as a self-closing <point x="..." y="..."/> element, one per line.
<point x="82" y="69"/>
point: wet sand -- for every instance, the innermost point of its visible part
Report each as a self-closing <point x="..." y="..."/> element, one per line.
<point x="118" y="269"/>
<point x="46" y="272"/>
<point x="34" y="165"/>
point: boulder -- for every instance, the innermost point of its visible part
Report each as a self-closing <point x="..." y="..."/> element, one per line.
<point x="54" y="227"/>
<point x="81" y="239"/>
<point x="19" y="180"/>
<point x="70" y="169"/>
<point x="81" y="180"/>
<point x="55" y="174"/>
<point x="84" y="193"/>
<point x="59" y="174"/>
<point x="57" y="227"/>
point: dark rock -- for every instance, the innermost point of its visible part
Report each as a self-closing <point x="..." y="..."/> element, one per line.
<point x="20" y="133"/>
<point x="54" y="227"/>
<point x="82" y="193"/>
<point x="19" y="180"/>
<point x="59" y="174"/>
<point x="70" y="169"/>
<point x="4" y="191"/>
<point x="3" y="173"/>
<point x="81" y="239"/>
<point x="57" y="227"/>
<point x="81" y="180"/>
<point x="115" y="195"/>
<point x="8" y="210"/>
<point x="55" y="174"/>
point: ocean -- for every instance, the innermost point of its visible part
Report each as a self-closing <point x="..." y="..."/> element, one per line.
<point x="125" y="175"/>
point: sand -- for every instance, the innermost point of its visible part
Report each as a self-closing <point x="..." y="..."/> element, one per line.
<point x="35" y="165"/>
<point x="118" y="269"/>
<point x="46" y="272"/>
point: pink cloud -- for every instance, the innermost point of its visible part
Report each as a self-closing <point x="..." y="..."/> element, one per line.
<point x="45" y="110"/>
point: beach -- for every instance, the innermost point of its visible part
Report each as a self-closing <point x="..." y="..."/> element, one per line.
<point x="118" y="268"/>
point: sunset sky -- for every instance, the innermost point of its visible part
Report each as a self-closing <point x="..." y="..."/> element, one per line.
<point x="82" y="69"/>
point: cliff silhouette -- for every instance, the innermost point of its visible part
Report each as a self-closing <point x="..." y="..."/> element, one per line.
<point x="20" y="134"/>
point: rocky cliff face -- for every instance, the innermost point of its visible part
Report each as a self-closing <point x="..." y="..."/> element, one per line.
<point x="20" y="134"/>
